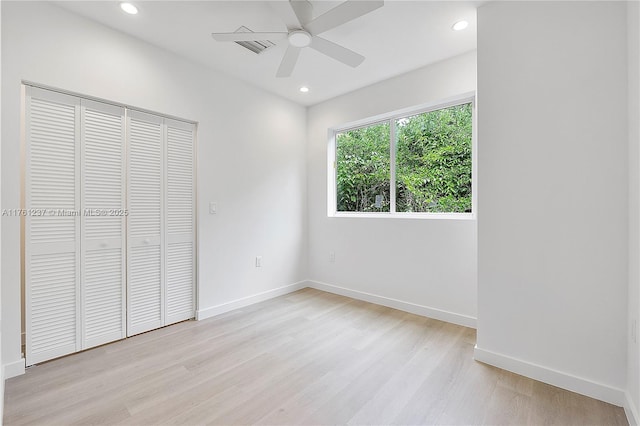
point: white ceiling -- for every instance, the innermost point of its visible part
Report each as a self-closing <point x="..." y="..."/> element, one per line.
<point x="397" y="38"/>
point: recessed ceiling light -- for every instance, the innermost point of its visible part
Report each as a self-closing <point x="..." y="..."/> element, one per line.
<point x="129" y="8"/>
<point x="304" y="89"/>
<point x="460" y="25"/>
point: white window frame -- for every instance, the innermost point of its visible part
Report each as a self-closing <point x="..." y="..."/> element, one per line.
<point x="332" y="211"/>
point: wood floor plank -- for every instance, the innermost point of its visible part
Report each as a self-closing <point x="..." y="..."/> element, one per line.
<point x="308" y="357"/>
<point x="391" y="399"/>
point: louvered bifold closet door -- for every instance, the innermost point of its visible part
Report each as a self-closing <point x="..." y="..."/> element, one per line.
<point x="103" y="223"/>
<point x="145" y="223"/>
<point x="52" y="225"/>
<point x="180" y="221"/>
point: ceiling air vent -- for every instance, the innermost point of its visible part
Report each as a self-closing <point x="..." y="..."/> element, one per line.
<point x="256" y="46"/>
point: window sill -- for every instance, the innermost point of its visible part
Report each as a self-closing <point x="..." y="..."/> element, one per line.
<point x="423" y="216"/>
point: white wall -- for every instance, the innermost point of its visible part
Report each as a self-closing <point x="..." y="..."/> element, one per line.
<point x="1" y="207"/>
<point x="430" y="263"/>
<point x="633" y="353"/>
<point x="553" y="209"/>
<point x="251" y="150"/>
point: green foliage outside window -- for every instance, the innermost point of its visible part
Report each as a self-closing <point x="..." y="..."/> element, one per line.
<point x="433" y="164"/>
<point x="363" y="169"/>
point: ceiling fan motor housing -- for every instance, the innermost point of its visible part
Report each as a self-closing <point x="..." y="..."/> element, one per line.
<point x="299" y="38"/>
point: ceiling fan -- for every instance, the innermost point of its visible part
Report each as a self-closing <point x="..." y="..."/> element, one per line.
<point x="302" y="31"/>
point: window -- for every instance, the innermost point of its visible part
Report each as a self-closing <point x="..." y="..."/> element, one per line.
<point x="363" y="166"/>
<point x="411" y="163"/>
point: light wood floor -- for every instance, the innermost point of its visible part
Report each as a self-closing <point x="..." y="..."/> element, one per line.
<point x="306" y="358"/>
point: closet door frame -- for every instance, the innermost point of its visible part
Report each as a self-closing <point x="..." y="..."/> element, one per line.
<point x="28" y="249"/>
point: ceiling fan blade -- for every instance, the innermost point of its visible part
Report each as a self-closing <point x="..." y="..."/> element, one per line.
<point x="286" y="13"/>
<point x="303" y="10"/>
<point x="288" y="62"/>
<point x="248" y="36"/>
<point x="345" y="12"/>
<point x="337" y="52"/>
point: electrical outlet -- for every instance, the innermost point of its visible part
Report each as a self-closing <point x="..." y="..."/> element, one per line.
<point x="258" y="261"/>
<point x="332" y="256"/>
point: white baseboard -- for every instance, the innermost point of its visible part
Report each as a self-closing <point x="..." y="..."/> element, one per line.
<point x="249" y="300"/>
<point x="425" y="311"/>
<point x="547" y="375"/>
<point x="14" y="369"/>
<point x="413" y="308"/>
<point x="631" y="410"/>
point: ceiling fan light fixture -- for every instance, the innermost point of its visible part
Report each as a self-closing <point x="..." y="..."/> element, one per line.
<point x="129" y="8"/>
<point x="304" y="89"/>
<point x="303" y="29"/>
<point x="299" y="38"/>
<point x="460" y="25"/>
